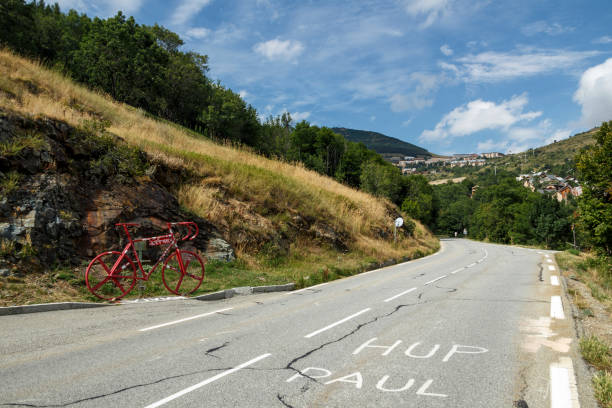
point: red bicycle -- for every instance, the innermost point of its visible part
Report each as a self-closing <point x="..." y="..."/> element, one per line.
<point x="112" y="274"/>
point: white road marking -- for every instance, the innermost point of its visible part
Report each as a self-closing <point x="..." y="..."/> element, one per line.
<point x="314" y="333"/>
<point x="554" y="280"/>
<point x="399" y="294"/>
<point x="204" y="339"/>
<point x="549" y="260"/>
<point x="208" y="381"/>
<point x="556" y="308"/>
<point x="551" y="267"/>
<point x="563" y="391"/>
<point x="155" y="299"/>
<point x="456" y="270"/>
<point x="185" y="319"/>
<point x="470" y="265"/>
<point x="437" y="279"/>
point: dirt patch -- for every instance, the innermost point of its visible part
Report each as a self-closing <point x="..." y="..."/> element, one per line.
<point x="444" y="181"/>
<point x="595" y="317"/>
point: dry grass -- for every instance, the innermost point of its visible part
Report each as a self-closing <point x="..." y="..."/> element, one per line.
<point x="232" y="185"/>
<point x="590" y="289"/>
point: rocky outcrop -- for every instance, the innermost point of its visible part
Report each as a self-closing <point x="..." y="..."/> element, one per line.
<point x="63" y="189"/>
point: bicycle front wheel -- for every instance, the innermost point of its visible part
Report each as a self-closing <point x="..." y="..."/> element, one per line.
<point x="184" y="281"/>
<point x="109" y="281"/>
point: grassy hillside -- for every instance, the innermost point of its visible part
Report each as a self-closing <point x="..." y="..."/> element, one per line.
<point x="382" y="144"/>
<point x="255" y="202"/>
<point x="556" y="158"/>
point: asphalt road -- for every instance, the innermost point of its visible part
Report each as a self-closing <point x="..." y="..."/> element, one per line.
<point x="476" y="325"/>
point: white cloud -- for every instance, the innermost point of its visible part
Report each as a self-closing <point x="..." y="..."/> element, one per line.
<point x="244" y="94"/>
<point x="404" y="102"/>
<point x="594" y="94"/>
<point x="372" y="118"/>
<point x="187" y="10"/>
<point x="520" y="139"/>
<point x="198" y="33"/>
<point x="480" y="115"/>
<point x="475" y="44"/>
<point x="446" y="50"/>
<point x="420" y="97"/>
<point x="497" y="66"/>
<point x="429" y="10"/>
<point x="490" y="145"/>
<point x="606" y="39"/>
<point x="407" y="122"/>
<point x="299" y="116"/>
<point x="279" y="50"/>
<point x="559" y="135"/>
<point x="543" y="27"/>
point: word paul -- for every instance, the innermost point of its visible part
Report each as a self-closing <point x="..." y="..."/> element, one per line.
<point x="415" y="350"/>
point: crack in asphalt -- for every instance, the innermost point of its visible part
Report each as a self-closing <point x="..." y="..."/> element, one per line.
<point x="520" y="402"/>
<point x="281" y="398"/>
<point x="541" y="270"/>
<point x="289" y="366"/>
<point x="450" y="290"/>
<point x="25" y="404"/>
<point x="210" y="351"/>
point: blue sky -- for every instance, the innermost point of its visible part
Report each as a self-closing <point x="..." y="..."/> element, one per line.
<point x="452" y="76"/>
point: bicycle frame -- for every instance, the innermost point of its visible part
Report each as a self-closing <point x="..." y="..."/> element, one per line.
<point x="169" y="239"/>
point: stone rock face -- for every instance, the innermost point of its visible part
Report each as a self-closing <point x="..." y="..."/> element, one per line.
<point x="69" y="188"/>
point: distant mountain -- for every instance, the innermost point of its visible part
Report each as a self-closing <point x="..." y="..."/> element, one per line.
<point x="382" y="144"/>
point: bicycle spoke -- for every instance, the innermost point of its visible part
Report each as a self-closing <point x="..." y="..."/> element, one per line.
<point x="108" y="272"/>
<point x="119" y="285"/>
<point x="183" y="273"/>
<point x="178" y="285"/>
<point x="102" y="282"/>
<point x="110" y="282"/>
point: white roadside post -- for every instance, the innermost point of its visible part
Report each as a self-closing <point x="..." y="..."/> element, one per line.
<point x="399" y="221"/>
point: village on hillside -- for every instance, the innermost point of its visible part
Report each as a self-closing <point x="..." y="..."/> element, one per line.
<point x="544" y="183"/>
<point x="411" y="165"/>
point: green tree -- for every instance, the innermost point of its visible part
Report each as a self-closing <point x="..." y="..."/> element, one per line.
<point x="350" y="166"/>
<point x="382" y="180"/>
<point x="16" y="26"/>
<point x="228" y="117"/>
<point x="420" y="200"/>
<point x="594" y="165"/>
<point x="124" y="59"/>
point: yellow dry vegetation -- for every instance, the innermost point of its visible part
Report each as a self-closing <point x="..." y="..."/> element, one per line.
<point x="234" y="183"/>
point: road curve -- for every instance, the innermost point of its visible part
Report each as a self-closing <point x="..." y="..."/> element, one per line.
<point x="475" y="325"/>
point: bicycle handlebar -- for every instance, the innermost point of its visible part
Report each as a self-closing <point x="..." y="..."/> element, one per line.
<point x="189" y="224"/>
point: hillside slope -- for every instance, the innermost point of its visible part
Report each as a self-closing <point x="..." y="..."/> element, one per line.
<point x="382" y="144"/>
<point x="557" y="157"/>
<point x="284" y="222"/>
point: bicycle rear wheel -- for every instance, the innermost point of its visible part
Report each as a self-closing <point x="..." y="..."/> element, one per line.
<point x="185" y="282"/>
<point x="110" y="283"/>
